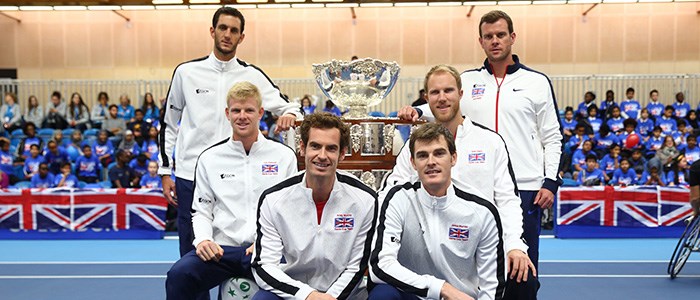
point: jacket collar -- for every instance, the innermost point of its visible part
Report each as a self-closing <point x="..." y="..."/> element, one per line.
<point x="222" y="66"/>
<point x="511" y="68"/>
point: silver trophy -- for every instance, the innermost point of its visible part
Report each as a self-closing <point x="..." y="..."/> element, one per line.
<point x="358" y="84"/>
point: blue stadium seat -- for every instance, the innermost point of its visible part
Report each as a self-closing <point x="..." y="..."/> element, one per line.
<point x="73" y="153"/>
<point x="67" y="132"/>
<point x="376" y="114"/>
<point x="18" y="171"/>
<point x="105" y="184"/>
<point x="23" y="185"/>
<point x="93" y="186"/>
<point x="91" y="132"/>
<point x="393" y="114"/>
<point x="45" y="131"/>
<point x="105" y="171"/>
<point x="82" y="184"/>
<point x="115" y="141"/>
<point x="90" y="140"/>
<point x="17" y="133"/>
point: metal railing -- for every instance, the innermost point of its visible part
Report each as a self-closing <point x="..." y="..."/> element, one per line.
<point x="569" y="89"/>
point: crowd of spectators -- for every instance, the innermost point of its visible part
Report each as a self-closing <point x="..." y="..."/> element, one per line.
<point x="71" y="145"/>
<point x="627" y="143"/>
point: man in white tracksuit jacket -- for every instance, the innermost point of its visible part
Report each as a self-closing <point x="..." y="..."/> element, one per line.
<point x="192" y="118"/>
<point x="320" y="221"/>
<point x="433" y="240"/>
<point x="230" y="177"/>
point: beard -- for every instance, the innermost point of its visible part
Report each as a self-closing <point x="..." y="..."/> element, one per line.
<point x="223" y="51"/>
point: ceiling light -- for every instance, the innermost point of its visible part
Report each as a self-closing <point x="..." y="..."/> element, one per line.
<point x="514" y="2"/>
<point x="308" y="5"/>
<point x="70" y="7"/>
<point x="204" y="1"/>
<point x="290" y="1"/>
<point x="273" y="5"/>
<point x="8" y="8"/>
<point x="477" y="3"/>
<point x="619" y="1"/>
<point x="171" y="7"/>
<point x="213" y="6"/>
<point x="444" y="3"/>
<point x="167" y="1"/>
<point x="410" y="4"/>
<point x="376" y="5"/>
<point x="138" y="7"/>
<point x="584" y="1"/>
<point x="250" y="1"/>
<point x="342" y="5"/>
<point x="242" y="6"/>
<point x="651" y="1"/>
<point x="35" y="8"/>
<point x="104" y="7"/>
<point x="537" y="2"/>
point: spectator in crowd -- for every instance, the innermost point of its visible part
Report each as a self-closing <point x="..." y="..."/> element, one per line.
<point x="692" y="151"/>
<point x="331" y="108"/>
<point x="680" y="136"/>
<point x="568" y="124"/>
<point x="29" y="140"/>
<point x="66" y="177"/>
<point x="607" y="105"/>
<point x="611" y="161"/>
<point x="55" y="157"/>
<point x="604" y="139"/>
<point x="103" y="148"/>
<point x="593" y="121"/>
<point x="655" y="142"/>
<point x="139" y="164"/>
<point x="121" y="175"/>
<point x="630" y="107"/>
<point x="139" y="126"/>
<point x="667" y="122"/>
<point x="129" y="144"/>
<point x="34" y="112"/>
<point x="629" y="126"/>
<point x="125" y="111"/>
<point x="113" y="123"/>
<point x="655" y="107"/>
<point x="151" y="180"/>
<point x="55" y="116"/>
<point x="645" y="124"/>
<point x="307" y="106"/>
<point x="664" y="156"/>
<point x="588" y="100"/>
<point x="591" y="175"/>
<point x="653" y="177"/>
<point x="637" y="162"/>
<point x="56" y="136"/>
<point x="43" y="179"/>
<point x="678" y="175"/>
<point x="615" y="121"/>
<point x="623" y="175"/>
<point x="421" y="98"/>
<point x="150" y="109"/>
<point x="579" y="137"/>
<point x="6" y="161"/>
<point x="150" y="145"/>
<point x="10" y="113"/>
<point x="680" y="107"/>
<point x="88" y="166"/>
<point x="101" y="110"/>
<point x="75" y="145"/>
<point x="692" y="120"/>
<point x="578" y="160"/>
<point x="31" y="164"/>
<point x="78" y="114"/>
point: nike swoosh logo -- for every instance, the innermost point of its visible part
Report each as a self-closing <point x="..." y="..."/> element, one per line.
<point x="518" y="90"/>
<point x="529" y="212"/>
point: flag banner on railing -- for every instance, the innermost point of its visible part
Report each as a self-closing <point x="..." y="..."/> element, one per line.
<point x="639" y="206"/>
<point x="68" y="209"/>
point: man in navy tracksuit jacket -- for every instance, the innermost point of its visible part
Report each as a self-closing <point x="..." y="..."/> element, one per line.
<point x="519" y="104"/>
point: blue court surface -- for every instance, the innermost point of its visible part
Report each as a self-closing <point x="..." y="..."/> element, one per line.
<point x="600" y="269"/>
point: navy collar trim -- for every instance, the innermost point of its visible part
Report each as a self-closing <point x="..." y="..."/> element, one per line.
<point x="509" y="70"/>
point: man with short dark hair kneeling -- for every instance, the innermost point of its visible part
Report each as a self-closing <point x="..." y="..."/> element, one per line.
<point x="433" y="240"/>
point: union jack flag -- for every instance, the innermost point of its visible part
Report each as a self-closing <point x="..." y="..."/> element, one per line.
<point x="82" y="209"/>
<point x="674" y="206"/>
<point x="460" y="234"/>
<point x="270" y="169"/>
<point x="608" y="206"/>
<point x="477" y="157"/>
<point x="478" y="91"/>
<point x="344" y="223"/>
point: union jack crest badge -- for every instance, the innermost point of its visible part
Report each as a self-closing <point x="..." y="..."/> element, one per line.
<point x="270" y="169"/>
<point x="459" y="233"/>
<point x="344" y="222"/>
<point x="477" y="157"/>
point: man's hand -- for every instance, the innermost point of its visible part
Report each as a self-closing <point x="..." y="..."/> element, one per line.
<point x="544" y="198"/>
<point x="208" y="250"/>
<point x="169" y="190"/>
<point x="316" y="295"/>
<point x="519" y="263"/>
<point x="285" y="122"/>
<point x="449" y="292"/>
<point x="249" y="250"/>
<point x="408" y="113"/>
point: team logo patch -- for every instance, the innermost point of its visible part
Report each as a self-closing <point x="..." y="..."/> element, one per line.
<point x="459" y="233"/>
<point x="270" y="169"/>
<point x="477" y="157"/>
<point x="227" y="176"/>
<point x="478" y="91"/>
<point x="202" y="91"/>
<point x="344" y="222"/>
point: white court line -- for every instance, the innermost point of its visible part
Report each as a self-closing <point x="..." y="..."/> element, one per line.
<point x="609" y="276"/>
<point x="174" y="237"/>
<point x="85" y="262"/>
<point x="84" y="277"/>
<point x="609" y="261"/>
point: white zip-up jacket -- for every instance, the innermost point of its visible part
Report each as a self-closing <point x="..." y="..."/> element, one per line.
<point x="228" y="184"/>
<point x="329" y="257"/>
<point x="524" y="112"/>
<point x="483" y="168"/>
<point x="197" y="102"/>
<point x="422" y="241"/>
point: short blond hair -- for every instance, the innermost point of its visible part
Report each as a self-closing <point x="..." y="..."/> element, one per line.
<point x="243" y="90"/>
<point x="443" y="69"/>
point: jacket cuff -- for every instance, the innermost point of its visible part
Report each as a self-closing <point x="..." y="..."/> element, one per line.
<point x="552" y="185"/>
<point x="516" y="244"/>
<point x="164" y="171"/>
<point x="419" y="111"/>
<point x="434" y="288"/>
<point x="303" y="292"/>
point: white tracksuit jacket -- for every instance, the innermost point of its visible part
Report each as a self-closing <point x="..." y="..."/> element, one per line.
<point x="228" y="184"/>
<point x="194" y="116"/>
<point x="524" y="112"/>
<point x="483" y="168"/>
<point x="330" y="257"/>
<point x="422" y="241"/>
